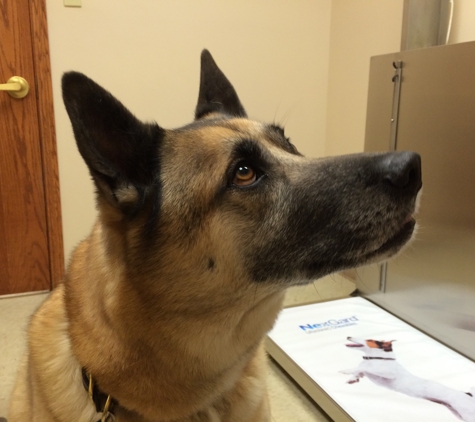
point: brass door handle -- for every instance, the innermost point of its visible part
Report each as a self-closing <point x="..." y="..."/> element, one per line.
<point x="16" y="86"/>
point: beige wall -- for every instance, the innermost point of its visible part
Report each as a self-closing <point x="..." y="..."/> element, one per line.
<point x="147" y="54"/>
<point x="359" y="29"/>
<point x="463" y="23"/>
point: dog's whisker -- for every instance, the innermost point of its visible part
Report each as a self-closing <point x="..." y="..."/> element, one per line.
<point x="316" y="290"/>
<point x="284" y="119"/>
<point x="276" y="111"/>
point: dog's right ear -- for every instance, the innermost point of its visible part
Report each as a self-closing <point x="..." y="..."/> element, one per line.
<point x="217" y="95"/>
<point x="120" y="151"/>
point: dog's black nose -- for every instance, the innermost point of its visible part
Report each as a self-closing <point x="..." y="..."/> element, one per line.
<point x="402" y="170"/>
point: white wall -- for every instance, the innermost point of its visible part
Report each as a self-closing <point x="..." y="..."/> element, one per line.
<point x="147" y="54"/>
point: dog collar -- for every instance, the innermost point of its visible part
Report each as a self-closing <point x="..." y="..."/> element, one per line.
<point x="104" y="402"/>
<point x="374" y="357"/>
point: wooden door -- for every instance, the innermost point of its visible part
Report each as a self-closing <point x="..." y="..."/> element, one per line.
<point x="31" y="249"/>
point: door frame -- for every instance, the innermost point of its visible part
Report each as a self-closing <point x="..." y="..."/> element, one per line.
<point x="49" y="154"/>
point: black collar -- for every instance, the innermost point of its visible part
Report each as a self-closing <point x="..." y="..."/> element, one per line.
<point x="374" y="357"/>
<point x="105" y="404"/>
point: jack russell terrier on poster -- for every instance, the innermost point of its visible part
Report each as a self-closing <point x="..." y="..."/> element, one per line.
<point x="381" y="367"/>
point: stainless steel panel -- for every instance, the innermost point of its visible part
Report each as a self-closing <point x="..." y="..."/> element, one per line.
<point x="432" y="285"/>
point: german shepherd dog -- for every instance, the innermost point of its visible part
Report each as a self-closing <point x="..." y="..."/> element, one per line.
<point x="200" y="231"/>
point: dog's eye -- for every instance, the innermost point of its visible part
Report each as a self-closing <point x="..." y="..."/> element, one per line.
<point x="244" y="175"/>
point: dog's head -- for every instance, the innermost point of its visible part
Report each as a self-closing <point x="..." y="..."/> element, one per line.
<point x="371" y="346"/>
<point x="230" y="200"/>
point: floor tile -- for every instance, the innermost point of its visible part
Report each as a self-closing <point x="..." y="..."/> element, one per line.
<point x="288" y="402"/>
<point x="15" y="313"/>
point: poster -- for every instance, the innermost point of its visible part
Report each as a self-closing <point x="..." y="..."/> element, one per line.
<point x="375" y="366"/>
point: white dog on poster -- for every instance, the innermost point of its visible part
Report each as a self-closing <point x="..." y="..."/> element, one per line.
<point x="380" y="366"/>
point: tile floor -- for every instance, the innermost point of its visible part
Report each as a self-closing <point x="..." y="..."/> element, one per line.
<point x="288" y="402"/>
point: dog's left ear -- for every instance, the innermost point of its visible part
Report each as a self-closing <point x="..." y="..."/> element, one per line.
<point x="217" y="95"/>
<point x="120" y="151"/>
<point x="388" y="346"/>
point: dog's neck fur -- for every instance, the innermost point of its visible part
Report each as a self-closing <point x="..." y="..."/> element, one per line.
<point x="203" y="341"/>
<point x="378" y="354"/>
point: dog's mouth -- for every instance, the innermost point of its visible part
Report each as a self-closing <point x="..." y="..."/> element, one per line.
<point x="404" y="235"/>
<point x="353" y="343"/>
<point x="398" y="240"/>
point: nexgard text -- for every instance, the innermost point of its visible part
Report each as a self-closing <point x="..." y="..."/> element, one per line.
<point x="330" y="324"/>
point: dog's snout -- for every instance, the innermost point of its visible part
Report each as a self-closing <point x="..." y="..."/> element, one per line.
<point x="402" y="170"/>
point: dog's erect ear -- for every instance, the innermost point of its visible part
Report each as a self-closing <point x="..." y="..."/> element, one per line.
<point x="120" y="151"/>
<point x="217" y="95"/>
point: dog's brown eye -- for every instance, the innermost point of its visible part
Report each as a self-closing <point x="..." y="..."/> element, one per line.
<point x="244" y="175"/>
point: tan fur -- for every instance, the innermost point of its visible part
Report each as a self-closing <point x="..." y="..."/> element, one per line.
<point x="213" y="363"/>
<point x="49" y="376"/>
<point x="218" y="376"/>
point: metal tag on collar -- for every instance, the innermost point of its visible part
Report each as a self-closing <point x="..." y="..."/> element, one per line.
<point x="106" y="415"/>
